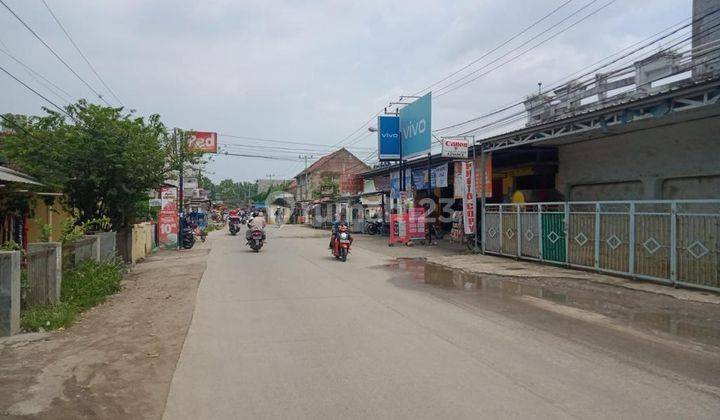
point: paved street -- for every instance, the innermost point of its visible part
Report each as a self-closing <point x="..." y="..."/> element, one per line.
<point x="292" y="333"/>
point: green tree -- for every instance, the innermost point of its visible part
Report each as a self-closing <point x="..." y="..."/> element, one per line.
<point x="103" y="159"/>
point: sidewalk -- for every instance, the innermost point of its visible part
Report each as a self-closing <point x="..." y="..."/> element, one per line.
<point x="457" y="257"/>
<point x="117" y="359"/>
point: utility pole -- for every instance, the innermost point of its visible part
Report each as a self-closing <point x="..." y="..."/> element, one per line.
<point x="304" y="192"/>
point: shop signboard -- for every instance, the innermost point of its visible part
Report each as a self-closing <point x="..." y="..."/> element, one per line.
<point x="455" y="148"/>
<point x="415" y="127"/>
<point x="388" y="137"/>
<point x="202" y="141"/>
<point x="168" y="218"/>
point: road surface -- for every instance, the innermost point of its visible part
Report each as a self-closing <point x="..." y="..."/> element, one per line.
<point x="292" y="333"/>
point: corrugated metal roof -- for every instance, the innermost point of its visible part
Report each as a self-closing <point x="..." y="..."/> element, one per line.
<point x="11" y="175"/>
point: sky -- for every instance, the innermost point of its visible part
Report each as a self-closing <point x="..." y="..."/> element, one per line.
<point x="310" y="72"/>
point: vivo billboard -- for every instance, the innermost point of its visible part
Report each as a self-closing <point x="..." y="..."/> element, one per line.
<point x="388" y="137"/>
<point x="415" y="129"/>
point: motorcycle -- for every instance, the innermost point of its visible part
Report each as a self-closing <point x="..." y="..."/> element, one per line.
<point x="188" y="238"/>
<point x="234" y="225"/>
<point x="377" y="227"/>
<point x="341" y="244"/>
<point x="255" y="239"/>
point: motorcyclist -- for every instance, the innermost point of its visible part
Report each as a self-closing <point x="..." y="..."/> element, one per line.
<point x="338" y="221"/>
<point x="257" y="221"/>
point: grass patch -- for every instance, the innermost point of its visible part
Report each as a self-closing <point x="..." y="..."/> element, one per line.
<point x="83" y="287"/>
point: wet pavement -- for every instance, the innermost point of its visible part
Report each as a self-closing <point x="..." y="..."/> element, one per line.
<point x="648" y="312"/>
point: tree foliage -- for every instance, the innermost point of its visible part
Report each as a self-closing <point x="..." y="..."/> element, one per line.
<point x="103" y="159"/>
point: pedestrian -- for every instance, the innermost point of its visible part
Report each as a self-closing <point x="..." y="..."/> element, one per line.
<point x="279" y="217"/>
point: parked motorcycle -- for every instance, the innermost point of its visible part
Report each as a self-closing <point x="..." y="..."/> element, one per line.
<point x="255" y="239"/>
<point x="188" y="238"/>
<point x="341" y="244"/>
<point x="376" y="227"/>
<point x="234" y="225"/>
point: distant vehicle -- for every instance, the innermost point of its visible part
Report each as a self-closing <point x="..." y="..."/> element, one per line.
<point x="341" y="244"/>
<point x="256" y="239"/>
<point x="234" y="224"/>
<point x="188" y="238"/>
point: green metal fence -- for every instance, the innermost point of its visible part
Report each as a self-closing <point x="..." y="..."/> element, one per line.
<point x="676" y="242"/>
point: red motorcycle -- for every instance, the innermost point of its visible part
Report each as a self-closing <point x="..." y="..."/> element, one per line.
<point x="341" y="244"/>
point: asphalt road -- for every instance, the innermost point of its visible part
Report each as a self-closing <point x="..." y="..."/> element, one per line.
<point x="292" y="333"/>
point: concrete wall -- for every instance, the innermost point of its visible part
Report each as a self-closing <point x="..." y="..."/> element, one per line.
<point x="142" y="241"/>
<point x="53" y="215"/>
<point x="9" y="292"/>
<point x="54" y="284"/>
<point x="680" y="161"/>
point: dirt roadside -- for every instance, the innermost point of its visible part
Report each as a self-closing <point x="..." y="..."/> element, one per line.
<point x="118" y="359"/>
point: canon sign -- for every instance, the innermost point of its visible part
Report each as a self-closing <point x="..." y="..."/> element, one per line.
<point x="455" y="148"/>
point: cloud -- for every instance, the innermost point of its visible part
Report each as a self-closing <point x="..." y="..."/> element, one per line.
<point x="306" y="70"/>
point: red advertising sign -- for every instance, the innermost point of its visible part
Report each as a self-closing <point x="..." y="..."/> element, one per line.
<point x="416" y="223"/>
<point x="488" y="176"/>
<point x="168" y="218"/>
<point x="469" y="211"/>
<point x="203" y="141"/>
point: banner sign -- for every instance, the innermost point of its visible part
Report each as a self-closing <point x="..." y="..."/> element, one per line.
<point x="419" y="179"/>
<point x="469" y="197"/>
<point x="458" y="178"/>
<point x="455" y="148"/>
<point x="202" y="141"/>
<point x="415" y="127"/>
<point x="394" y="184"/>
<point x="488" y="176"/>
<point x="439" y="176"/>
<point x="388" y="137"/>
<point x="168" y="218"/>
<point x="416" y="223"/>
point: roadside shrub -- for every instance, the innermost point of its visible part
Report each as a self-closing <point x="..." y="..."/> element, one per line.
<point x="83" y="287"/>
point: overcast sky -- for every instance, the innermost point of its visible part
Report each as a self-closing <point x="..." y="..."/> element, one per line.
<point x="305" y="71"/>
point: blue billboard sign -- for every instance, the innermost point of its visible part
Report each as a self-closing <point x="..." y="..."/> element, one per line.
<point x="388" y="137"/>
<point x="415" y="128"/>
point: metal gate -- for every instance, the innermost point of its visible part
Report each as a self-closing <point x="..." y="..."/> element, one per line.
<point x="676" y="242"/>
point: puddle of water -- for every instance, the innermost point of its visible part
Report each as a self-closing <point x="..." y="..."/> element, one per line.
<point x="693" y="320"/>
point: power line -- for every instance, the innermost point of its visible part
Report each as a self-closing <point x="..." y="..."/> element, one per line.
<point x="509" y="40"/>
<point x="37" y="77"/>
<point x="35" y="92"/>
<point x="53" y="52"/>
<point x="81" y="53"/>
<point x="449" y="89"/>
<point x="258" y="156"/>
<point x="645" y="44"/>
<point x="258" y="139"/>
<point x="67" y="98"/>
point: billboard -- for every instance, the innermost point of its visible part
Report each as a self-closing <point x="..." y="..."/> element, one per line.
<point x="415" y="127"/>
<point x="455" y="148"/>
<point x="388" y="137"/>
<point x="202" y="141"/>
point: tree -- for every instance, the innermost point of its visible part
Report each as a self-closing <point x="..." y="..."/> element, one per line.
<point x="103" y="159"/>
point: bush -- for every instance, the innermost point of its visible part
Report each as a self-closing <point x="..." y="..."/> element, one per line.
<point x="83" y="287"/>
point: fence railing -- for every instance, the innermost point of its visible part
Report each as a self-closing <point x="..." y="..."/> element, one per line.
<point x="41" y="277"/>
<point x="676" y="242"/>
<point x="76" y="252"/>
